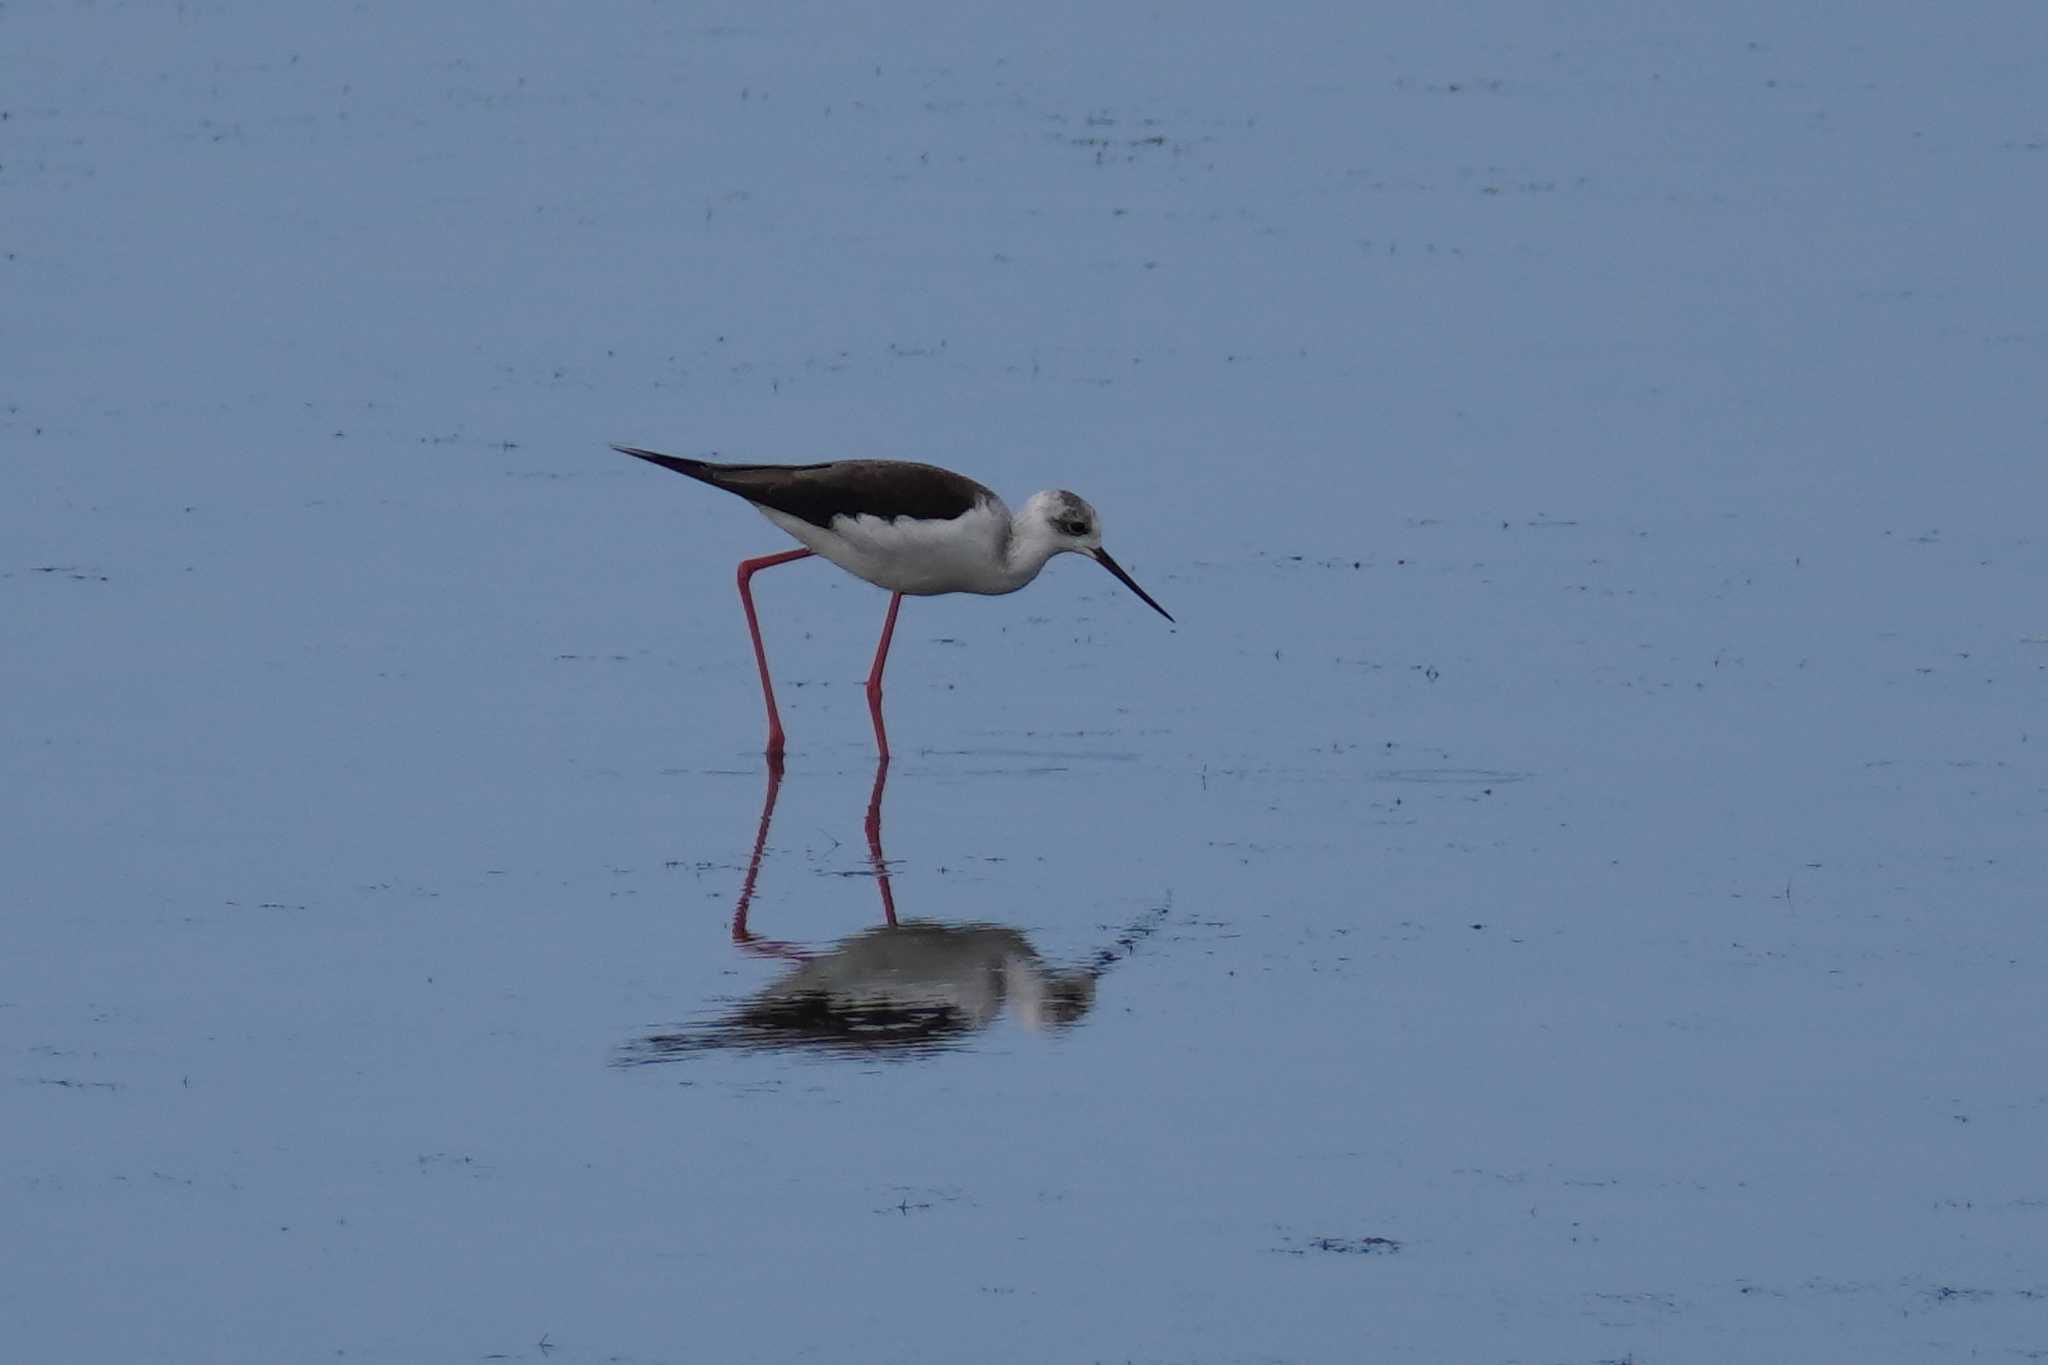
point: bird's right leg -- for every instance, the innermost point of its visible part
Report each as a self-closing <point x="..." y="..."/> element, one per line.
<point x="747" y="569"/>
<point x="875" y="682"/>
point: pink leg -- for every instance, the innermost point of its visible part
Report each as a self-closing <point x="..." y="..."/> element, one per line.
<point x="747" y="568"/>
<point x="875" y="858"/>
<point x="875" y="680"/>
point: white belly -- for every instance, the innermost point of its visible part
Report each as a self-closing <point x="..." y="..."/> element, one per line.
<point x="921" y="558"/>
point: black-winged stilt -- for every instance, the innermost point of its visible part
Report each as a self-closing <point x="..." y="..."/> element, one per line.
<point x="911" y="528"/>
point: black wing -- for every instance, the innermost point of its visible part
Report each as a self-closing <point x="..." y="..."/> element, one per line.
<point x="816" y="493"/>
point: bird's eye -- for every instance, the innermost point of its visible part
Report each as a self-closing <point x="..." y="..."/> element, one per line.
<point x="1074" y="528"/>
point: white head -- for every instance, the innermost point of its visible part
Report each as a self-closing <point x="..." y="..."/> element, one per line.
<point x="1057" y="522"/>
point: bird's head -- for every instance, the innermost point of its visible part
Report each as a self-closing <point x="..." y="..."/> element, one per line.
<point x="1066" y="524"/>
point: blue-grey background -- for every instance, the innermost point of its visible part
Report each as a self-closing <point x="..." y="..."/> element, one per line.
<point x="1595" y="793"/>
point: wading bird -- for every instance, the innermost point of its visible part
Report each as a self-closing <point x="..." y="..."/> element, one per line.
<point x="911" y="528"/>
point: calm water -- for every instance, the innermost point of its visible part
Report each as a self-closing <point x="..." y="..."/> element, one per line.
<point x="1567" y="890"/>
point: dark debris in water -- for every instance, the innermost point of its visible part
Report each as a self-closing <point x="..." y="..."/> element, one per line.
<point x="1342" y="1246"/>
<point x="77" y="573"/>
<point x="69" y="1083"/>
<point x="1463" y="776"/>
<point x="1949" y="1293"/>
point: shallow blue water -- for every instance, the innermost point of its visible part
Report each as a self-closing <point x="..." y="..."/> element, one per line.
<point x="1567" y="889"/>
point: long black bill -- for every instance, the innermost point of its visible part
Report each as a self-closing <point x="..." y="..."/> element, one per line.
<point x="1102" y="557"/>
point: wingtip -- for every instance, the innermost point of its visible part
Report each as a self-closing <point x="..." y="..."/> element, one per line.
<point x="679" y="464"/>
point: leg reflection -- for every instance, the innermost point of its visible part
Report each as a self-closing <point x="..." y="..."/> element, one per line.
<point x="742" y="934"/>
<point x="875" y="858"/>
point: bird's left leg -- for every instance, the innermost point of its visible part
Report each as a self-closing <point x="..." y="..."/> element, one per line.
<point x="748" y="568"/>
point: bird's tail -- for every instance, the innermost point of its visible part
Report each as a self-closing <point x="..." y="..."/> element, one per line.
<point x="700" y="470"/>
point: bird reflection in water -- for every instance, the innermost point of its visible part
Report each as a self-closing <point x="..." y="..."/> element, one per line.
<point x="901" y="989"/>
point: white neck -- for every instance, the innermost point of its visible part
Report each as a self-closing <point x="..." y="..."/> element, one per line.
<point x="1032" y="540"/>
<point x="1031" y="544"/>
